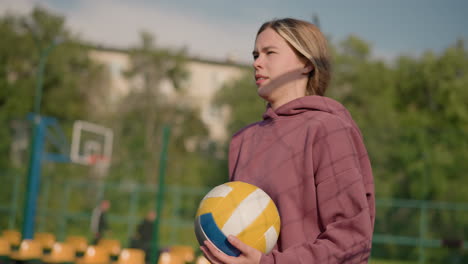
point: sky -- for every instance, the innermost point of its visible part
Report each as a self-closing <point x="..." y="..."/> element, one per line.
<point x="216" y="29"/>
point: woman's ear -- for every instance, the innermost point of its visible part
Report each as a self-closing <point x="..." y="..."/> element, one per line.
<point x="308" y="68"/>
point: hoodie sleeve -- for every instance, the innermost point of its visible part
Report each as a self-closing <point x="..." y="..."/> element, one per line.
<point x="344" y="201"/>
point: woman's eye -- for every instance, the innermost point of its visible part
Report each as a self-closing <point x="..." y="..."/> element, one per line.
<point x="270" y="52"/>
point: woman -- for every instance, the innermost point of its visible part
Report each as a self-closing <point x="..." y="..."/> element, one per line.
<point x="307" y="154"/>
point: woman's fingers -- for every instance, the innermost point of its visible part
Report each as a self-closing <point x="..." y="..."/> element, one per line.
<point x="249" y="254"/>
<point x="217" y="255"/>
<point x="239" y="244"/>
<point x="209" y="255"/>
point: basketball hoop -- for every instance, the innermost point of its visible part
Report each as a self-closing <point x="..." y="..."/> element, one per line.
<point x="99" y="163"/>
<point x="93" y="160"/>
<point x="92" y="146"/>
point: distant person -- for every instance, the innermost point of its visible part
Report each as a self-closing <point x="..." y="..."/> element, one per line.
<point x="99" y="225"/>
<point x="307" y="153"/>
<point x="144" y="232"/>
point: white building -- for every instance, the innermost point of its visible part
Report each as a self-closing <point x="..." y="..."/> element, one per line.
<point x="205" y="79"/>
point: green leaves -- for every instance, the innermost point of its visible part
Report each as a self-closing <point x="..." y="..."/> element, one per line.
<point x="148" y="107"/>
<point x="244" y="104"/>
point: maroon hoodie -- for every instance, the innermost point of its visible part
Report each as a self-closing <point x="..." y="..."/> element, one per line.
<point x="309" y="156"/>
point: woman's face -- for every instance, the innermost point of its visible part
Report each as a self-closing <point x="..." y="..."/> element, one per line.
<point x="280" y="74"/>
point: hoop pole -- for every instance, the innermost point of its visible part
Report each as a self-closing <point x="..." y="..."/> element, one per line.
<point x="34" y="176"/>
<point x="37" y="146"/>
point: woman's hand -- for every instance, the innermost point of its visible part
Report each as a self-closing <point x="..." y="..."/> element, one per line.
<point x="249" y="255"/>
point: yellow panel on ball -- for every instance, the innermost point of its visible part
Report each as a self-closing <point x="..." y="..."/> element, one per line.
<point x="239" y="209"/>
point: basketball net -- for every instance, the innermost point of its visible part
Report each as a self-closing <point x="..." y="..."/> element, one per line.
<point x="100" y="164"/>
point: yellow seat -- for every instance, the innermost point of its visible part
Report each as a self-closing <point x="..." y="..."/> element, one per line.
<point x="13" y="237"/>
<point x="79" y="243"/>
<point x="46" y="240"/>
<point x="95" y="255"/>
<point x="202" y="260"/>
<point x="184" y="252"/>
<point x="28" y="250"/>
<point x="169" y="258"/>
<point x="131" y="256"/>
<point x="5" y="249"/>
<point x="60" y="253"/>
<point x="112" y="245"/>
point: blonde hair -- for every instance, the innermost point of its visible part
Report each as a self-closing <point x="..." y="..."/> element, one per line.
<point x="309" y="43"/>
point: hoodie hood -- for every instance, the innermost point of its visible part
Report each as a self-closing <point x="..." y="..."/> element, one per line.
<point x="307" y="103"/>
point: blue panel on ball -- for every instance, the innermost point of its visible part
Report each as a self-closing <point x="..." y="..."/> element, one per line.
<point x="216" y="235"/>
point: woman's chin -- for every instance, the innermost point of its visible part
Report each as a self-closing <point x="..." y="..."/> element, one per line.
<point x="263" y="91"/>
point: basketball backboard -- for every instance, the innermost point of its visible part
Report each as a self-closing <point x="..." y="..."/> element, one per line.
<point x="91" y="144"/>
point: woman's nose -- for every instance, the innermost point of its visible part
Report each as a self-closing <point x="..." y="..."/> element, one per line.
<point x="257" y="63"/>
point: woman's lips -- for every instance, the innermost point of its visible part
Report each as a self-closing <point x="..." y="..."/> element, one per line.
<point x="259" y="79"/>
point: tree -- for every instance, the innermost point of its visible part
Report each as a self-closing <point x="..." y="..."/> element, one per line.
<point x="71" y="79"/>
<point x="156" y="100"/>
<point x="245" y="106"/>
<point x="432" y="106"/>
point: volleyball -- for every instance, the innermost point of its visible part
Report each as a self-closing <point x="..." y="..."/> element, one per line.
<point x="239" y="209"/>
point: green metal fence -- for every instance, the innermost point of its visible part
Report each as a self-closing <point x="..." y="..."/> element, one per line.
<point x="409" y="227"/>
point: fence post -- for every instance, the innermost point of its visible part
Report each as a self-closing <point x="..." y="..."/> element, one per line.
<point x="160" y="195"/>
<point x="176" y="194"/>
<point x="64" y="212"/>
<point x="44" y="211"/>
<point x="14" y="203"/>
<point x="422" y="232"/>
<point x="133" y="210"/>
